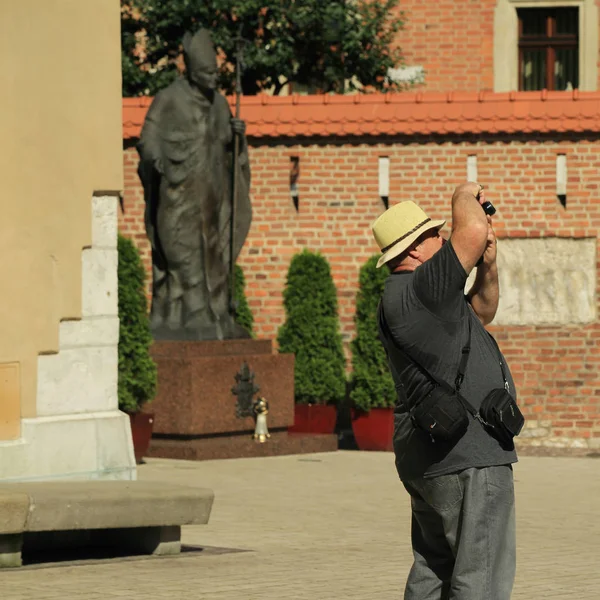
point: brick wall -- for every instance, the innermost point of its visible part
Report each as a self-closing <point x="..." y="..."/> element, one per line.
<point x="131" y="217"/>
<point x="453" y="41"/>
<point x="557" y="369"/>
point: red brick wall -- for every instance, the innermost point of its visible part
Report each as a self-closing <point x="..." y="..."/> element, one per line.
<point x="557" y="369"/>
<point x="453" y="41"/>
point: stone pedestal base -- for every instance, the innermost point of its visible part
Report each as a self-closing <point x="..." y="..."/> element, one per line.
<point x="195" y="409"/>
<point x="242" y="446"/>
<point x="195" y="381"/>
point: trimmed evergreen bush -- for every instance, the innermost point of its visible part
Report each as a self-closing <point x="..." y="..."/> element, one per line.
<point x="372" y="383"/>
<point x="244" y="315"/>
<point x="137" y="370"/>
<point x="312" y="331"/>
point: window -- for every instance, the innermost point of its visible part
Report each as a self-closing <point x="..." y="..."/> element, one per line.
<point x="507" y="63"/>
<point x="548" y="48"/>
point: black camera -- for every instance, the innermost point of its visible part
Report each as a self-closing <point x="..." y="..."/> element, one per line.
<point x="488" y="207"/>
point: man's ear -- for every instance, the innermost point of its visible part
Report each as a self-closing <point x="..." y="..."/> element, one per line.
<point x="415" y="252"/>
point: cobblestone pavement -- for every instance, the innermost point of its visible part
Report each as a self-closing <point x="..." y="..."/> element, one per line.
<point x="326" y="526"/>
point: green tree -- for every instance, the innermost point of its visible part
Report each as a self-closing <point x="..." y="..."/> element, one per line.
<point x="134" y="78"/>
<point x="137" y="370"/>
<point x="312" y="331"/>
<point x="332" y="46"/>
<point x="244" y="316"/>
<point x="372" y="383"/>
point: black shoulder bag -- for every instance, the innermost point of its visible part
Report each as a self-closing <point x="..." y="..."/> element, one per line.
<point x="499" y="412"/>
<point x="444" y="413"/>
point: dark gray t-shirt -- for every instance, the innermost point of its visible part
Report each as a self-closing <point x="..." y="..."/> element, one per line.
<point x="427" y="314"/>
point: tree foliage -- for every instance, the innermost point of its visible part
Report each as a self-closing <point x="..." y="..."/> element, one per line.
<point x="332" y="46"/>
<point x="372" y="383"/>
<point x="312" y="331"/>
<point x="137" y="370"/>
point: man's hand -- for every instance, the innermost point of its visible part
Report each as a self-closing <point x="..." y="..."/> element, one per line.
<point x="489" y="255"/>
<point x="470" y="188"/>
<point x="485" y="293"/>
<point x="238" y="126"/>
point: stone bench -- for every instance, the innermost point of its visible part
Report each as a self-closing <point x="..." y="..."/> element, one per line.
<point x="135" y="517"/>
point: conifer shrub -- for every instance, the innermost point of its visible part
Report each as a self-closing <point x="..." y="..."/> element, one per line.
<point x="372" y="385"/>
<point x="312" y="331"/>
<point x="137" y="369"/>
<point x="244" y="316"/>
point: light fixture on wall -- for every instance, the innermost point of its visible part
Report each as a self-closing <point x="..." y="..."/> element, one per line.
<point x="294" y="176"/>
<point x="384" y="180"/>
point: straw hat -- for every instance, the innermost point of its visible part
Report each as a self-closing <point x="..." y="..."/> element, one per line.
<point x="399" y="227"/>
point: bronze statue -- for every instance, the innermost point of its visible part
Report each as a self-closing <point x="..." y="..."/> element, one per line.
<point x="187" y="163"/>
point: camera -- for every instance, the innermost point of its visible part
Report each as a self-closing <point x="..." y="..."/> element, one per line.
<point x="488" y="207"/>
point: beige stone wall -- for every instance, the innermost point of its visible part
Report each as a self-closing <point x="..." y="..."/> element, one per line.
<point x="60" y="126"/>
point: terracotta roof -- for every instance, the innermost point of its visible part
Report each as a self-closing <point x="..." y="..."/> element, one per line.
<point x="405" y="114"/>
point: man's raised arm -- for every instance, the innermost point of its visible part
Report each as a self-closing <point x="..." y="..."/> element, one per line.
<point x="469" y="225"/>
<point x="485" y="293"/>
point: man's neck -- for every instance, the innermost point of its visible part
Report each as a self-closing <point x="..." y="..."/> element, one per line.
<point x="408" y="265"/>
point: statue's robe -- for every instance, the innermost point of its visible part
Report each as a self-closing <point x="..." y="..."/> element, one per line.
<point x="186" y="154"/>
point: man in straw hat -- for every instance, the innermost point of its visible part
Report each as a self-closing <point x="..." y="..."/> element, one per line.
<point x="463" y="519"/>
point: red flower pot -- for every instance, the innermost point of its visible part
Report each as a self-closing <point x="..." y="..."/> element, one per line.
<point x="313" y="418"/>
<point x="141" y="432"/>
<point x="373" y="430"/>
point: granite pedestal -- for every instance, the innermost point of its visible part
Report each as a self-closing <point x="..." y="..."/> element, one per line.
<point x="195" y="408"/>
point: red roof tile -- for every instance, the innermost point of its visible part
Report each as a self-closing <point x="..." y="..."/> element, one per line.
<point x="405" y="114"/>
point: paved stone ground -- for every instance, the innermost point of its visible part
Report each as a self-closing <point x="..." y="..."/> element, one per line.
<point x="326" y="526"/>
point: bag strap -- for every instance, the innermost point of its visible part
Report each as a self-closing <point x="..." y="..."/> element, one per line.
<point x="464" y="359"/>
<point x="383" y="327"/>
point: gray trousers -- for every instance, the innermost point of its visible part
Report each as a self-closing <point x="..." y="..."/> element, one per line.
<point x="463" y="536"/>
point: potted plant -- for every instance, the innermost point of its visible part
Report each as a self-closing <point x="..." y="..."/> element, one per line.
<point x="312" y="332"/>
<point x="137" y="370"/>
<point x="373" y="393"/>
